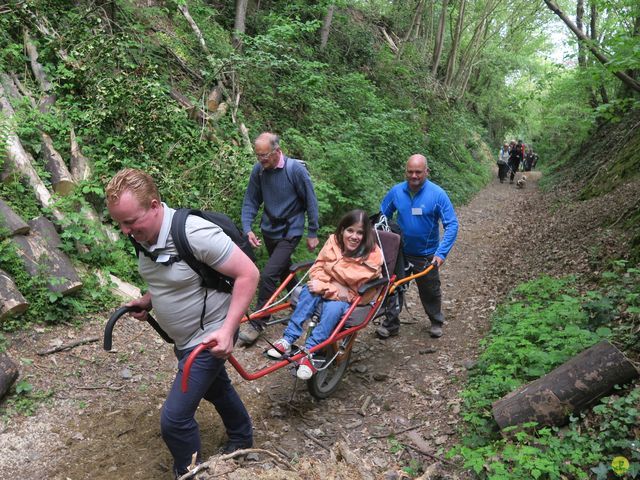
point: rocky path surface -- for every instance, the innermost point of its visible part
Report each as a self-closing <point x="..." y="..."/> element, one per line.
<point x="398" y="405"/>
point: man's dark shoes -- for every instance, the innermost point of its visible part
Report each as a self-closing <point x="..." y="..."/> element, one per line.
<point x="232" y="446"/>
<point x="436" y="330"/>
<point x="249" y="332"/>
<point x="387" y="329"/>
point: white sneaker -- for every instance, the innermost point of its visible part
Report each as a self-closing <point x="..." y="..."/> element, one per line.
<point x="306" y="369"/>
<point x="280" y="347"/>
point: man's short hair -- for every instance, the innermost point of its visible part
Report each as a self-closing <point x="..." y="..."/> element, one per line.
<point x="139" y="183"/>
<point x="274" y="140"/>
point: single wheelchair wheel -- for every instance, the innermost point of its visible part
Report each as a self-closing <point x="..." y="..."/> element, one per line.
<point x="324" y="382"/>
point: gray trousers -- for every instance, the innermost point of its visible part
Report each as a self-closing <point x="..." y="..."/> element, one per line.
<point x="428" y="289"/>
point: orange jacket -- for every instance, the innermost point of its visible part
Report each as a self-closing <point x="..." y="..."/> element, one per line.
<point x="340" y="276"/>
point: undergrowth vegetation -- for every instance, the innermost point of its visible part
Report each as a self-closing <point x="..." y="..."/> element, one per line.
<point x="546" y="322"/>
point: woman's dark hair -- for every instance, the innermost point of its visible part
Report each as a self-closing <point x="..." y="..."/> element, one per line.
<point x="368" y="240"/>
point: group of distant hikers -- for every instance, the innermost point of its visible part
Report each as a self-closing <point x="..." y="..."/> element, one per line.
<point x="512" y="156"/>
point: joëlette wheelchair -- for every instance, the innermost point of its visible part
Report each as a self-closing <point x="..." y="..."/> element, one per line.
<point x="330" y="357"/>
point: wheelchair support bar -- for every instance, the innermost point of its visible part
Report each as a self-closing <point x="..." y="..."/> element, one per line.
<point x="108" y="329"/>
<point x="337" y="335"/>
<point x="411" y="277"/>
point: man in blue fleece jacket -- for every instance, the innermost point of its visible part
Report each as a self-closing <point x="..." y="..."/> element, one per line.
<point x="283" y="187"/>
<point x="421" y="206"/>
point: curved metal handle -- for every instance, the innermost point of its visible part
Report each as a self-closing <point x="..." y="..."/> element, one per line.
<point x="192" y="356"/>
<point x="108" y="329"/>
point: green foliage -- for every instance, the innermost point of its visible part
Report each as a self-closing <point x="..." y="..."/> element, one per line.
<point x="25" y="401"/>
<point x="545" y="323"/>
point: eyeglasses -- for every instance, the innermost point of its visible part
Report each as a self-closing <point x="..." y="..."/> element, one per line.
<point x="264" y="156"/>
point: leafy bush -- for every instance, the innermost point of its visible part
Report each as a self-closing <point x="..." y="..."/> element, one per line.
<point x="545" y="323"/>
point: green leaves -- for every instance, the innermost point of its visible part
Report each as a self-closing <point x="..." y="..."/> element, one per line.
<point x="545" y="323"/>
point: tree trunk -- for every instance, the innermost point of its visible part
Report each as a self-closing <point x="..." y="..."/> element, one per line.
<point x="38" y="71"/>
<point x="569" y="388"/>
<point x="47" y="230"/>
<point x="326" y="27"/>
<point x="194" y="26"/>
<point x="61" y="180"/>
<point x="42" y="258"/>
<point x="11" y="221"/>
<point x="582" y="55"/>
<point x="437" y="49"/>
<point x="626" y="79"/>
<point x="239" y="23"/>
<point x="415" y="23"/>
<point x="451" y="63"/>
<point x="80" y="165"/>
<point x="11" y="300"/>
<point x="22" y="161"/>
<point x="8" y="374"/>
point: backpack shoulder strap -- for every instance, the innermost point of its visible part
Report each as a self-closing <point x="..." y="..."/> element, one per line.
<point x="180" y="240"/>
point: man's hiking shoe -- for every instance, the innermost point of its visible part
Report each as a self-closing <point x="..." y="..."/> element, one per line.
<point x="249" y="333"/>
<point x="232" y="446"/>
<point x="435" y="331"/>
<point x="306" y="369"/>
<point x="280" y="347"/>
<point x="385" y="332"/>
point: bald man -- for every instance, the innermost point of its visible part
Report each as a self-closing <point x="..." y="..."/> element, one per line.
<point x="421" y="206"/>
<point x="283" y="187"/>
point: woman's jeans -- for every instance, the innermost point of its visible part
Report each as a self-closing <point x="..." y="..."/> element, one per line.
<point x="208" y="379"/>
<point x="332" y="312"/>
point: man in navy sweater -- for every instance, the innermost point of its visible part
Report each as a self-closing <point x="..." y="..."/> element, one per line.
<point x="283" y="186"/>
<point x="422" y="206"/>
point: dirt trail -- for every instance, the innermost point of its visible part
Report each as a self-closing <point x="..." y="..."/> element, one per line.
<point x="102" y="420"/>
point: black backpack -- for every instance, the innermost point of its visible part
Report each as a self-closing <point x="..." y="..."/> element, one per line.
<point x="211" y="278"/>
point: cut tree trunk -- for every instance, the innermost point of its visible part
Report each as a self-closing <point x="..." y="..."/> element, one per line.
<point x="38" y="71"/>
<point x="80" y="165"/>
<point x="19" y="157"/>
<point x="8" y="374"/>
<point x="61" y="180"/>
<point x="569" y="388"/>
<point x="11" y="221"/>
<point x="47" y="230"/>
<point x="41" y="258"/>
<point x="11" y="300"/>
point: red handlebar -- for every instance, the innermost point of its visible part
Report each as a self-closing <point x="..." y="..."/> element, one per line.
<point x="192" y="356"/>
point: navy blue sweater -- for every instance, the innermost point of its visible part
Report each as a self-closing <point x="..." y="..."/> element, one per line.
<point x="286" y="194"/>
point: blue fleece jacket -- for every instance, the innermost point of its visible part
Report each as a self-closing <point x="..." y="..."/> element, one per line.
<point x="419" y="216"/>
<point x="286" y="193"/>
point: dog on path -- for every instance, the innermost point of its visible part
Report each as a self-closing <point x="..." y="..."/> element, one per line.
<point x="521" y="181"/>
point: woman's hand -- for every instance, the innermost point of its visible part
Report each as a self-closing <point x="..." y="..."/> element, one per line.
<point x="314" y="286"/>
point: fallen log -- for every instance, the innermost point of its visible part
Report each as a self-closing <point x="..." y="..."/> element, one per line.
<point x="569" y="388"/>
<point x="11" y="221"/>
<point x="80" y="165"/>
<point x="21" y="160"/>
<point x="11" y="300"/>
<point x="8" y="374"/>
<point x="61" y="180"/>
<point x="38" y="71"/>
<point x="40" y="258"/>
<point x="47" y="230"/>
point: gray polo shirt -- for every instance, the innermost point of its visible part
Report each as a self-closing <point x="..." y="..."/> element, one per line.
<point x="176" y="290"/>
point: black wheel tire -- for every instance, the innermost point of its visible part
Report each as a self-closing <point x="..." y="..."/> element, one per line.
<point x="325" y="382"/>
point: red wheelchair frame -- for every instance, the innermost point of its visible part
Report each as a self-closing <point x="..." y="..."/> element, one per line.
<point x="338" y="346"/>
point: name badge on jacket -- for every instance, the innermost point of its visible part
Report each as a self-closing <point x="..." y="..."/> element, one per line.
<point x="416" y="211"/>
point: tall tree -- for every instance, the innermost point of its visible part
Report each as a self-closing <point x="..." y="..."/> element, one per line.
<point x="239" y="26"/>
<point x="627" y="80"/>
<point x="451" y="62"/>
<point x="437" y="49"/>
<point x="326" y="26"/>
<point x="582" y="55"/>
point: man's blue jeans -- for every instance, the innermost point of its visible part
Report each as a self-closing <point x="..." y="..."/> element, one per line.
<point x="208" y="379"/>
<point x="332" y="312"/>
